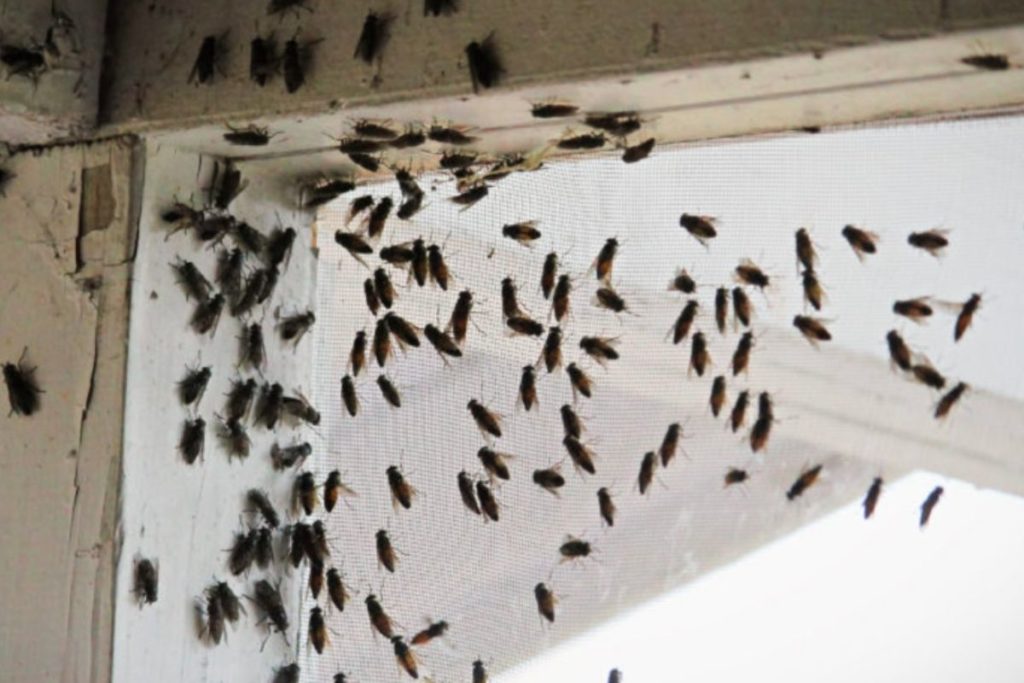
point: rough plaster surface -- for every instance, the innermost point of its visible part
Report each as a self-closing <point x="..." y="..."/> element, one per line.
<point x="540" y="42"/>
<point x="64" y="295"/>
<point x="64" y="101"/>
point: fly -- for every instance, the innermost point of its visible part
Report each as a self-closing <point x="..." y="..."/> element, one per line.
<point x="549" y="479"/>
<point x="871" y="498"/>
<point x="606" y="506"/>
<point x="317" y="630"/>
<point x="206" y="61"/>
<point x="304" y="495"/>
<point x="735" y="476"/>
<point x="450" y="135"/>
<point x="293" y="328"/>
<point x="601" y="349"/>
<point x="261" y="504"/>
<point x="929" y="376"/>
<point x="441" y="342"/>
<point x="806" y="479"/>
<point x="552" y="110"/>
<point x="370" y="295"/>
<point x="270" y="405"/>
<point x="929" y="504"/>
<point x="253" y="351"/>
<point x="739" y="411"/>
<point x="466" y="492"/>
<point x="932" y="241"/>
<point x="915" y="309"/>
<point x="966" y="316"/>
<point x="471" y="195"/>
<point x="146" y="581"/>
<point x="862" y="241"/>
<point x="638" y="152"/>
<point x="357" y="355"/>
<point x="389" y="391"/>
<point x="552" y="352"/>
<point x="741" y="357"/>
<point x="404" y="331"/>
<point x="373" y="37"/>
<point x="646" y="475"/>
<point x="681" y="328"/>
<point x="813" y="292"/>
<point x="485" y="68"/>
<point x="354" y="244"/>
<point x="571" y="423"/>
<point x="608" y="298"/>
<point x="410" y="138"/>
<point x="381" y="342"/>
<point x="741" y="306"/>
<point x="702" y="228"/>
<point x="521" y="324"/>
<point x="486" y="421"/>
<point x="717" y="399"/>
<point x="581" y="383"/>
<point x="494" y="463"/>
<point x="240" y="399"/>
<point x="582" y="141"/>
<point x="605" y="260"/>
<point x="195" y="285"/>
<point x="618" y="124"/>
<point x="488" y="503"/>
<point x="899" y="352"/>
<point x="420" y="261"/>
<point x="582" y="457"/>
<point x="950" y="399"/>
<point x="434" y="630"/>
<point x="405" y="656"/>
<point x="207" y="314"/>
<point x="805" y="254"/>
<point x="459" y="322"/>
<point x="574" y="549"/>
<point x="383" y="288"/>
<point x="23" y="390"/>
<point x="190" y="389"/>
<point x="250" y="136"/>
<point x="193" y="437"/>
<point x="682" y="282"/>
<point x="721" y="308"/>
<point x="289" y="456"/>
<point x="813" y="329"/>
<point x="699" y="356"/>
<point x="560" y="298"/>
<point x="385" y="554"/>
<point x="546" y="601"/>
<point x="528" y="387"/>
<point x="336" y="590"/>
<point x="749" y="273"/>
<point x="438" y="268"/>
<point x="524" y="232"/>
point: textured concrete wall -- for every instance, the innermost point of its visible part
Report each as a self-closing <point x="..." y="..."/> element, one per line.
<point x="156" y="45"/>
<point x="65" y="255"/>
<point x="63" y="100"/>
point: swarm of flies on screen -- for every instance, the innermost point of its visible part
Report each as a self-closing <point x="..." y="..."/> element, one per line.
<point x="250" y="263"/>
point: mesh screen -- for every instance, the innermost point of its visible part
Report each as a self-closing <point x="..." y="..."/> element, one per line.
<point x="480" y="576"/>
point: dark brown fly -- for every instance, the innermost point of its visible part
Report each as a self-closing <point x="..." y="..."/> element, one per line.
<point x="571" y="423"/>
<point x="812" y="329"/>
<point x="871" y="498"/>
<point x="334" y="490"/>
<point x="438" y="268"/>
<point x="206" y="61"/>
<point x="618" y="123"/>
<point x="381" y="289"/>
<point x="987" y="62"/>
<point x="681" y="328"/>
<point x="358" y="206"/>
<point x="581" y="383"/>
<point x="552" y="351"/>
<point x="242" y="552"/>
<point x="932" y="241"/>
<point x="289" y="456"/>
<point x="605" y="260"/>
<point x="402" y="491"/>
<point x="488" y="503"/>
<point x="349" y="398"/>
<point x="317" y="631"/>
<point x="929" y="504"/>
<point x="378" y="617"/>
<point x="699" y="356"/>
<point x="450" y="135"/>
<point x="253" y="352"/>
<point x="357" y="356"/>
<point x="385" y="554"/>
<point x="230" y="605"/>
<point x="304" y="493"/>
<point x="193" y="438"/>
<point x="929" y="376"/>
<point x="459" y="322"/>
<point x="214" y="625"/>
<point x="470" y="195"/>
<point x="378" y="218"/>
<point x="434" y="630"/>
<point x="523" y="325"/>
<point x="735" y="476"/>
<point x="721" y="308"/>
<point x="268" y="599"/>
<point x="299" y="408"/>
<point x="806" y="479"/>
<point x="240" y="399"/>
<point x="739" y="411"/>
<point x="190" y="389"/>
<point x="582" y="457"/>
<point x="467" y="493"/>
<point x="250" y="136"/>
<point x="552" y="110"/>
<point x="748" y="273"/>
<point x="405" y="333"/>
<point x="805" y="254"/>
<point x="453" y="160"/>
<point x="966" y="316"/>
<point x="646" y="475"/>
<point x="207" y="314"/>
<point x="899" y="352"/>
<point x="549" y="479"/>
<point x="560" y="298"/>
<point x="354" y="244"/>
<point x="638" y="152"/>
<point x="485" y="68"/>
<point x="194" y="284"/>
<point x="601" y="349"/>
<point x="326" y="190"/>
<point x="717" y="399"/>
<point x="813" y="292"/>
<point x="381" y="342"/>
<point x="494" y="463"/>
<point x="412" y="137"/>
<point x="670" y="444"/>
<point x="229" y="273"/>
<point x="702" y="228"/>
<point x="420" y="264"/>
<point x="259" y="502"/>
<point x="145" y="581"/>
<point x="915" y="309"/>
<point x="862" y="241"/>
<point x="546" y="601"/>
<point x="405" y="656"/>
<point x="582" y="142"/>
<point x="389" y="391"/>
<point x="234" y="438"/>
<point x="486" y="421"/>
<point x="950" y="399"/>
<point x="682" y="282"/>
<point x="606" y="506"/>
<point x="606" y="297"/>
<point x="373" y="37"/>
<point x="741" y="357"/>
<point x="336" y="590"/>
<point x="528" y="387"/>
<point x="574" y="549"/>
<point x="270" y="405"/>
<point x="264" y="547"/>
<point x="294" y="327"/>
<point x="524" y="232"/>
